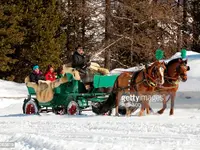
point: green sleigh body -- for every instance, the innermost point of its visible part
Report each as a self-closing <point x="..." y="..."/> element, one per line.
<point x="71" y="97"/>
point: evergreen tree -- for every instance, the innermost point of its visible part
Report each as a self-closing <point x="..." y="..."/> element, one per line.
<point x="43" y="41"/>
<point x="10" y="35"/>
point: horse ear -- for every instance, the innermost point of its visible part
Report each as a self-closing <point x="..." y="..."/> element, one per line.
<point x="179" y="60"/>
<point x="188" y="68"/>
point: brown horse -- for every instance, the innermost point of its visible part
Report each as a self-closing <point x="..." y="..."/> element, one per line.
<point x="138" y="83"/>
<point x="176" y="71"/>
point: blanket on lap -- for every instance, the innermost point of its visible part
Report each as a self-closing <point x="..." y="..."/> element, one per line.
<point x="45" y="89"/>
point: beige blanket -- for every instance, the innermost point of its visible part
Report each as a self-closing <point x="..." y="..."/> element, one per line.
<point x="72" y="71"/>
<point x="93" y="67"/>
<point x="97" y="68"/>
<point x="45" y="89"/>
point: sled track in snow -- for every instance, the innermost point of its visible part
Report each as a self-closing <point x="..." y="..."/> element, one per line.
<point x="21" y="97"/>
<point x="99" y="133"/>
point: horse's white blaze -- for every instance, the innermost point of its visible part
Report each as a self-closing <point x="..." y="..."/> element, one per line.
<point x="161" y="70"/>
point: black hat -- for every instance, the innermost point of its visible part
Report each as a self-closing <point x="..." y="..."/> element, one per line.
<point x="79" y="46"/>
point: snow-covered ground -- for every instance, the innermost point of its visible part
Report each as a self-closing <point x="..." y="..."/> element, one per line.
<point x="88" y="131"/>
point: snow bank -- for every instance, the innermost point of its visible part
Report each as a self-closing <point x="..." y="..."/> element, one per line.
<point x="120" y="70"/>
<point x="12" y="89"/>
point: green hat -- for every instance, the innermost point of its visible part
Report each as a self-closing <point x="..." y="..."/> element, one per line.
<point x="183" y="53"/>
<point x="159" y="54"/>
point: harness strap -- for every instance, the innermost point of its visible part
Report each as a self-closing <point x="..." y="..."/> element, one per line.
<point x="146" y="78"/>
<point x="174" y="81"/>
<point x="133" y="83"/>
<point x="151" y="82"/>
<point x="171" y="78"/>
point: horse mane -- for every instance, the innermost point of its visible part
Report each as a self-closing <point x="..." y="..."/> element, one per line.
<point x="173" y="61"/>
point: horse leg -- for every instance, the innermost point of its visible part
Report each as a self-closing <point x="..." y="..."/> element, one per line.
<point x="173" y="95"/>
<point x="147" y="107"/>
<point x="116" y="110"/>
<point x="110" y="112"/>
<point x="127" y="112"/>
<point x="147" y="110"/>
<point x="117" y="104"/>
<point x="164" y="106"/>
<point x="142" y="109"/>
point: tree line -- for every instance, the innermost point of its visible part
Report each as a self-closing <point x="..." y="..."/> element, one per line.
<point x="125" y="32"/>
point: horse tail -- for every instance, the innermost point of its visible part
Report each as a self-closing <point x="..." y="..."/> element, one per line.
<point x="105" y="106"/>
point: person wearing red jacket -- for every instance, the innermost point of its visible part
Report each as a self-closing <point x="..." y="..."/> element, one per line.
<point x="50" y="74"/>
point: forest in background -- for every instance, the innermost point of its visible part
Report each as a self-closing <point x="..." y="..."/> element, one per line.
<point x="124" y="32"/>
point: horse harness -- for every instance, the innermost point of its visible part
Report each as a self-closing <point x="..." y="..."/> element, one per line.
<point x="172" y="80"/>
<point x="150" y="82"/>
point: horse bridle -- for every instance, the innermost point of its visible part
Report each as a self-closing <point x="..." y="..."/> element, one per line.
<point x="152" y="81"/>
<point x="176" y="80"/>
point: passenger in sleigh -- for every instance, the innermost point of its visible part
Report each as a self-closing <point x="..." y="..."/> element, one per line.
<point x="36" y="75"/>
<point x="60" y="72"/>
<point x="44" y="89"/>
<point x="50" y="75"/>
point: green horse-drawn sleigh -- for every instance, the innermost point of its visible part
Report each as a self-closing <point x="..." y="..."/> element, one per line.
<point x="66" y="95"/>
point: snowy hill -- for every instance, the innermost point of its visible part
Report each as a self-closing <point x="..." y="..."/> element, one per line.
<point x="11" y="89"/>
<point x="88" y="131"/>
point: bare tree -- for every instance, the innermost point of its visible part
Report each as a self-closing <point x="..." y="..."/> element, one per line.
<point x="107" y="34"/>
<point x="184" y="23"/>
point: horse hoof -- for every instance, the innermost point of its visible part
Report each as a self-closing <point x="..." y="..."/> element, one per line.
<point x="160" y="112"/>
<point x="117" y="115"/>
<point x="148" y="112"/>
<point x="140" y="114"/>
<point x="171" y="112"/>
